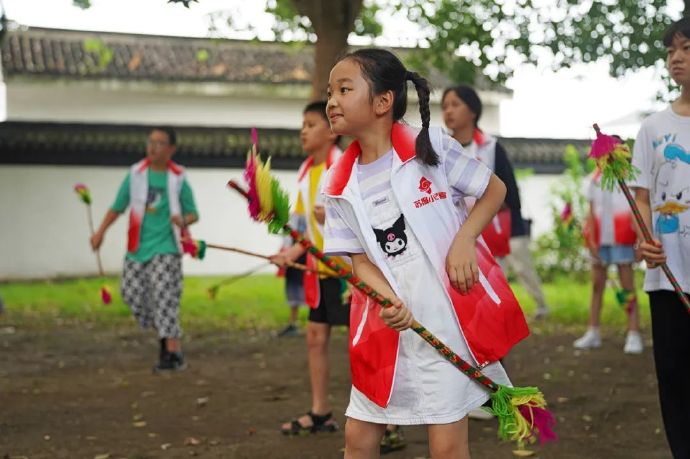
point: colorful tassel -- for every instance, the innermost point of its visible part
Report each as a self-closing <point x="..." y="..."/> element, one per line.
<point x="268" y="202"/>
<point x="250" y="177"/>
<point x="263" y="189"/>
<point x="613" y="159"/>
<point x="106" y="295"/>
<point x="83" y="192"/>
<point x="194" y="247"/>
<point x="521" y="414"/>
<point x="626" y="299"/>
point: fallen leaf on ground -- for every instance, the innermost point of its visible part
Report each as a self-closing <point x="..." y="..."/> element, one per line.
<point x="523" y="453"/>
<point x="191" y="441"/>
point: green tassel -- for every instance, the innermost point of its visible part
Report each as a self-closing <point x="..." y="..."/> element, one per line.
<point x="504" y="405"/>
<point x="281" y="208"/>
<point x="201" y="250"/>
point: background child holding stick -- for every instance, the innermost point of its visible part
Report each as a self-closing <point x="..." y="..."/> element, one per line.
<point x="161" y="207"/>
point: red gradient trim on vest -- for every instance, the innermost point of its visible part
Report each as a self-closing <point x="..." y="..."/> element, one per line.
<point x="309" y="162"/>
<point x="310" y="283"/>
<point x="478" y="137"/>
<point x="403" y="139"/>
<point x="134" y="232"/>
<point x="490" y="329"/>
<point x="373" y="357"/>
<point x="172" y="166"/>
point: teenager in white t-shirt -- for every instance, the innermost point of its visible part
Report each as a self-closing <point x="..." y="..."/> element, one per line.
<point x="662" y="191"/>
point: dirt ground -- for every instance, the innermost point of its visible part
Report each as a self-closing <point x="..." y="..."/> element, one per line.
<point x="71" y="392"/>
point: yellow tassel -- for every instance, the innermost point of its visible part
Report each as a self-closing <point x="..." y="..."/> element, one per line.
<point x="263" y="187"/>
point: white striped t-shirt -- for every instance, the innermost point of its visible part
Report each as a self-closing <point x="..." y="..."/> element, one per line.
<point x="467" y="177"/>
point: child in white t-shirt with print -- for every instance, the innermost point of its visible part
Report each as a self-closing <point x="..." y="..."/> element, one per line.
<point x="609" y="236"/>
<point x="662" y="192"/>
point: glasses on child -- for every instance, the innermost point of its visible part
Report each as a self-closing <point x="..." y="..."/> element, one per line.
<point x="156" y="143"/>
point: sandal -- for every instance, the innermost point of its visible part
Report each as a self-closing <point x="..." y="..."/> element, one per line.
<point x="319" y="423"/>
<point x="393" y="440"/>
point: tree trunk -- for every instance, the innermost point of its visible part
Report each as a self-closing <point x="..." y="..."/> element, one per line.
<point x="333" y="21"/>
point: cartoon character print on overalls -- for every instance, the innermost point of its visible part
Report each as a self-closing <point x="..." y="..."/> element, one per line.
<point x="393" y="240"/>
<point x="670" y="202"/>
<point x="393" y="234"/>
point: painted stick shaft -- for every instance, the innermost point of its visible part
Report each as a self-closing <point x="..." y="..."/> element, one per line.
<point x="290" y="264"/>
<point x="89" y="217"/>
<point x="648" y="238"/>
<point x="236" y="277"/>
<point x="349" y="276"/>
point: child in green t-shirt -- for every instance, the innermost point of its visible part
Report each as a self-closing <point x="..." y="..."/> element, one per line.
<point x="161" y="207"/>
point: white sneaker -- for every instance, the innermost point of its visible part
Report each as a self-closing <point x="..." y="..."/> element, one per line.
<point x="480" y="414"/>
<point x="590" y="340"/>
<point x="633" y="343"/>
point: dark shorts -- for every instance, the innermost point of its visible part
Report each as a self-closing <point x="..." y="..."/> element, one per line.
<point x="331" y="309"/>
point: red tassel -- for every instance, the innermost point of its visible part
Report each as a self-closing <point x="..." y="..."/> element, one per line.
<point x="106" y="296"/>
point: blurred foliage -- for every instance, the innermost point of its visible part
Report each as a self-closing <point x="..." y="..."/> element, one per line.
<point x="103" y="53"/>
<point x="465" y="39"/>
<point x="562" y="251"/>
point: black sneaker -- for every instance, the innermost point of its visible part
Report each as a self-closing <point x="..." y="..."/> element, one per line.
<point x="163" y="350"/>
<point x="290" y="330"/>
<point x="171" y="361"/>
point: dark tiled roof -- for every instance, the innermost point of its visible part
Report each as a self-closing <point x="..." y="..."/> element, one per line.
<point x="66" y="53"/>
<point x="119" y="145"/>
<point x="76" y="54"/>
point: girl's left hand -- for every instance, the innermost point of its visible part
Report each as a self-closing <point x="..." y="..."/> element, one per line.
<point x="461" y="264"/>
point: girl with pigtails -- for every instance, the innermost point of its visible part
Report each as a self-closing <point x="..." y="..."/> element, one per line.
<point x="394" y="204"/>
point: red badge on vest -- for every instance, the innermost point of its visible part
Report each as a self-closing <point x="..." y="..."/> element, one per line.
<point x="425" y="187"/>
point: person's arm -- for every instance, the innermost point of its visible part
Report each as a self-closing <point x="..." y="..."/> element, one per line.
<point x="398" y="316"/>
<point x="652" y="252"/>
<point x="288" y="256"/>
<point x="320" y="213"/>
<point x="97" y="237"/>
<point x="643" y="160"/>
<point x="461" y="262"/>
<point x="504" y="171"/>
<point x="119" y="206"/>
<point x="592" y="236"/>
<point x="189" y="211"/>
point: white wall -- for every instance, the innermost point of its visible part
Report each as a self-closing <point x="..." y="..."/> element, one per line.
<point x="44" y="233"/>
<point x="199" y="104"/>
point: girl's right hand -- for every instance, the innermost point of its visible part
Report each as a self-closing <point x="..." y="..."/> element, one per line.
<point x="397" y="316"/>
<point x="652" y="253"/>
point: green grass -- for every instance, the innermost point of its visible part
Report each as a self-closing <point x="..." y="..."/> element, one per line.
<point x="254" y="302"/>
